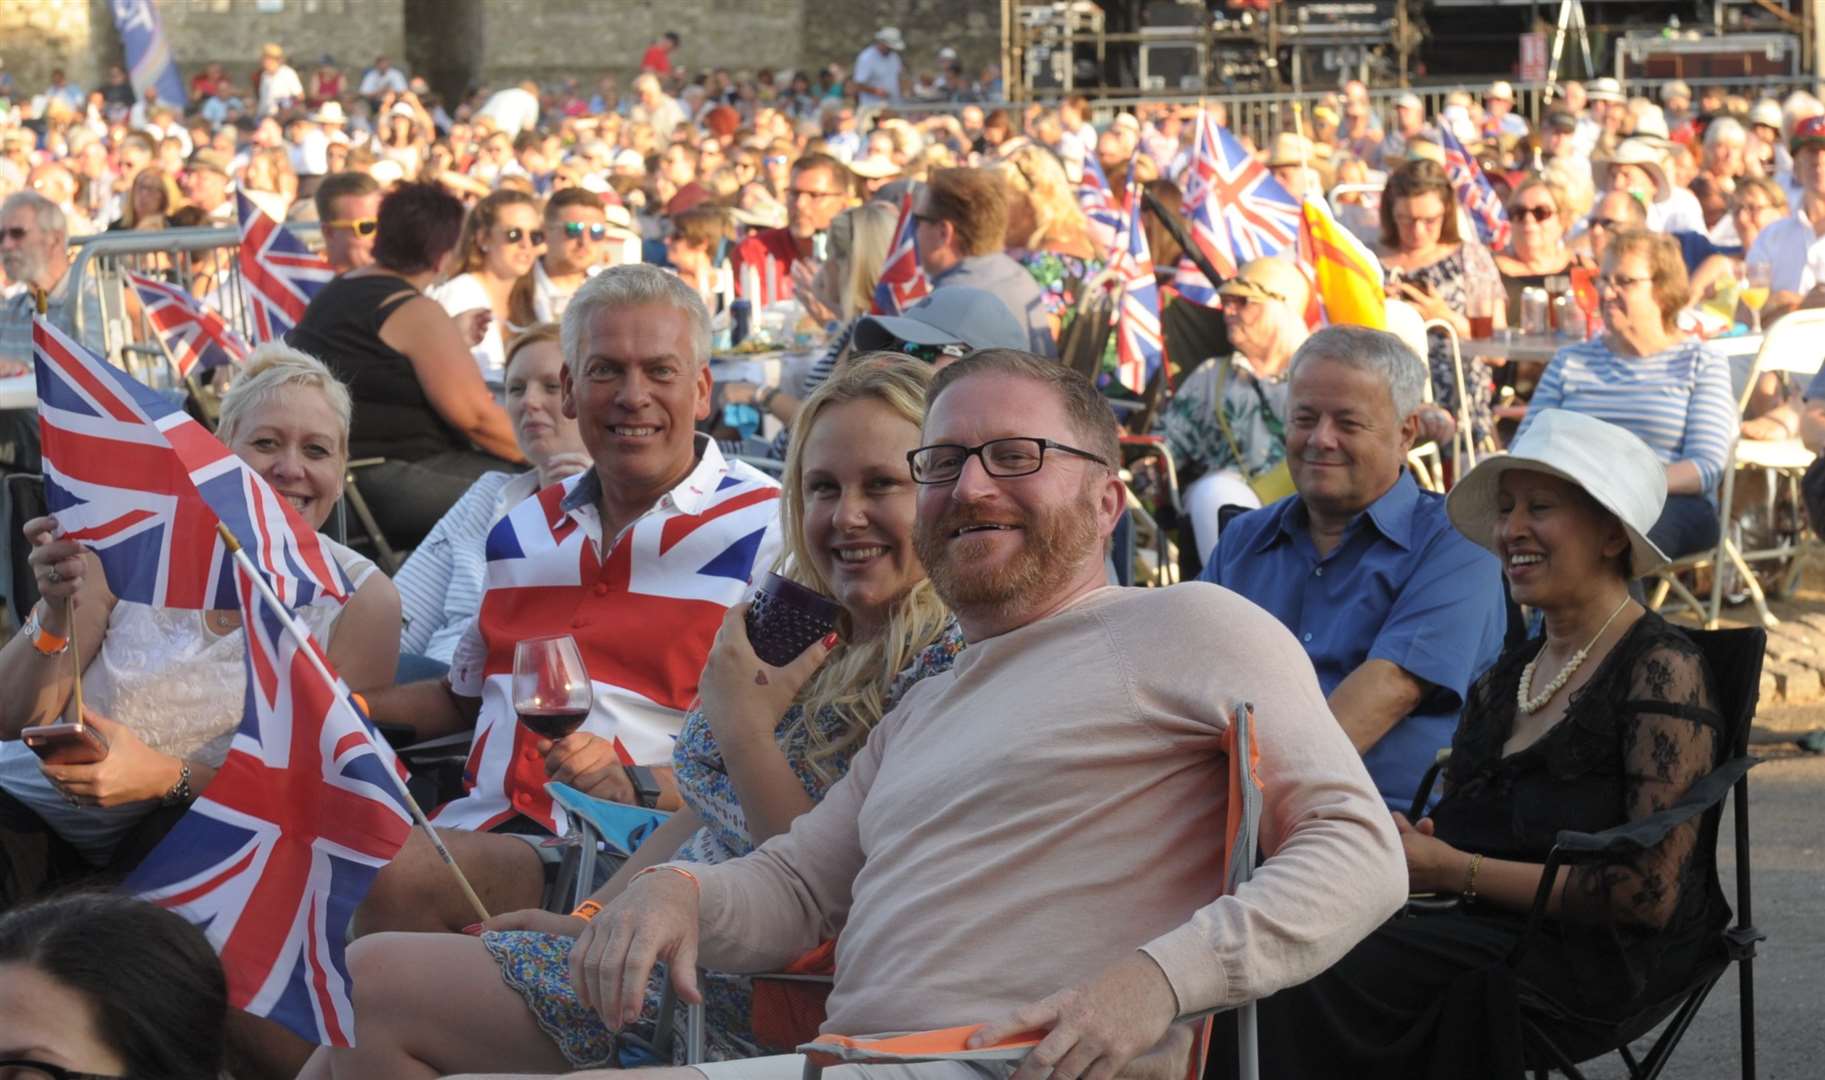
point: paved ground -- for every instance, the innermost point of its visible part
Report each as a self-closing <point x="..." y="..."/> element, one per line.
<point x="1787" y="839"/>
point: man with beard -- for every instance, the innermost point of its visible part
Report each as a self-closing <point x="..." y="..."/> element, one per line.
<point x="1027" y="840"/>
<point x="1398" y="611"/>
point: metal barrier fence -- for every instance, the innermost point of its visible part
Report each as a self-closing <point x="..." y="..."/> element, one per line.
<point x="203" y="261"/>
<point x="1259" y="117"/>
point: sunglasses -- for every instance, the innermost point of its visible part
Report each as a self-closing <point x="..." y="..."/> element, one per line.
<point x="535" y="237"/>
<point x="14" y="232"/>
<point x="359" y="226"/>
<point x="932" y="353"/>
<point x="1538" y="213"/>
<point x="574" y="230"/>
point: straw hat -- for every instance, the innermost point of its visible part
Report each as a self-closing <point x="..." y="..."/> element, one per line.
<point x="1604" y="89"/>
<point x="1612" y="466"/>
<point x="1640" y="152"/>
<point x="330" y="112"/>
<point x="1290" y="148"/>
<point x="890" y="37"/>
<point x="1269" y="278"/>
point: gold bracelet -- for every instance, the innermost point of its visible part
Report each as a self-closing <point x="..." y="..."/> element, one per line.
<point x="587" y="910"/>
<point x="1476" y="863"/>
<point x="673" y="868"/>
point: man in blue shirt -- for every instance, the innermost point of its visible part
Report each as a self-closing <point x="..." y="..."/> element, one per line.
<point x="962" y="217"/>
<point x="1398" y="612"/>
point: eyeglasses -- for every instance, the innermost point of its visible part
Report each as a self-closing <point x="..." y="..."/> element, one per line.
<point x="776" y="159"/>
<point x="931" y="354"/>
<point x="27" y="1069"/>
<point x="1609" y="223"/>
<point x="1001" y="458"/>
<point x="1618" y="282"/>
<point x="1431" y="221"/>
<point x="1538" y="213"/>
<point x="807" y="193"/>
<point x="574" y="230"/>
<point x="14" y="233"/>
<point x="535" y="237"/>
<point x="359" y="226"/>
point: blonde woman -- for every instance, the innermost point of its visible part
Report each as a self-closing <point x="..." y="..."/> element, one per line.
<point x="164" y="685"/>
<point x="764" y="747"/>
<point x="1047" y="232"/>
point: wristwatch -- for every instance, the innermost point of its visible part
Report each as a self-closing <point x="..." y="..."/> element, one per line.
<point x="646" y="785"/>
<point x="47" y="643"/>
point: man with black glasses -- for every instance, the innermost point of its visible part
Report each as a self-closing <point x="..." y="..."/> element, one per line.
<point x="1040" y="817"/>
<point x="773" y="264"/>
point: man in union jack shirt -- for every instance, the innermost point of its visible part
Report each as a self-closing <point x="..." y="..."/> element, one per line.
<point x="636" y="559"/>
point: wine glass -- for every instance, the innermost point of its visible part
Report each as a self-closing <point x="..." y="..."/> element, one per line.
<point x="551" y="688"/>
<point x="1758" y="280"/>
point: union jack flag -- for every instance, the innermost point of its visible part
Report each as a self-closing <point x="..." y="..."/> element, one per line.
<point x="1138" y="347"/>
<point x="902" y="279"/>
<point x="1238" y="211"/>
<point x="1474" y="192"/>
<point x="1097" y="199"/>
<point x="1191" y="284"/>
<point x="193" y="335"/>
<point x="271" y="861"/>
<point x="132" y="477"/>
<point x="280" y="273"/>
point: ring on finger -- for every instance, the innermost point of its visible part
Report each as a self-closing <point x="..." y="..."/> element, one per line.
<point x="53" y="577"/>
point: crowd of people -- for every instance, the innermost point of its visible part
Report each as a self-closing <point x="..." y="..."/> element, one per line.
<point x="996" y="783"/>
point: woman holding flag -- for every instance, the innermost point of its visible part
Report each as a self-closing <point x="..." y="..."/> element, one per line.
<point x="165" y="686"/>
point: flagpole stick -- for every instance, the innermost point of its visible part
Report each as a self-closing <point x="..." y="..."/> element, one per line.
<point x="302" y="637"/>
<point x="42" y="301"/>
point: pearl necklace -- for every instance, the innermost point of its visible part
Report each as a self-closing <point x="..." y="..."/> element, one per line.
<point x="1535" y="704"/>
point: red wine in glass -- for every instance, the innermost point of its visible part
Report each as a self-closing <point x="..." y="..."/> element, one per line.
<point x="551" y="689"/>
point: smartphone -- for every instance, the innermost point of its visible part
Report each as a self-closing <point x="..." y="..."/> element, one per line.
<point x="66" y="744"/>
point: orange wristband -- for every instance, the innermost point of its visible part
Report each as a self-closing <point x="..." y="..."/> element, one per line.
<point x="587" y="910"/>
<point x="674" y="869"/>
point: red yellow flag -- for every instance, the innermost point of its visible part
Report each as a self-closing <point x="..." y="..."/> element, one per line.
<point x="1346" y="275"/>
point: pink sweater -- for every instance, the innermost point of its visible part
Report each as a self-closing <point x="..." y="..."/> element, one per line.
<point x="1055" y="800"/>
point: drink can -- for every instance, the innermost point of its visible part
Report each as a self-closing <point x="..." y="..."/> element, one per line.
<point x="741" y="314"/>
<point x="820" y="246"/>
<point x="1534" y="314"/>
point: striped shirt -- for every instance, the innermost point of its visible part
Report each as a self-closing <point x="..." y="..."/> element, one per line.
<point x="440" y="586"/>
<point x="1679" y="401"/>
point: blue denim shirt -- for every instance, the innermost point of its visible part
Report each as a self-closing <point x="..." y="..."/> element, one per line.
<point x="1401" y="586"/>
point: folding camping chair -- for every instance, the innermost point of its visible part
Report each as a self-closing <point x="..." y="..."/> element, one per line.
<point x="1241" y="834"/>
<point x="1735" y="659"/>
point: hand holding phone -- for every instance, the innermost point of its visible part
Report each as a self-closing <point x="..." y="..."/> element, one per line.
<point x="66" y="744"/>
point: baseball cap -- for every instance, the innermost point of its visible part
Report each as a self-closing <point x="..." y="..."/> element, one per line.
<point x="1409" y="101"/>
<point x="1808" y="132"/>
<point x="1561" y="121"/>
<point x="953" y="315"/>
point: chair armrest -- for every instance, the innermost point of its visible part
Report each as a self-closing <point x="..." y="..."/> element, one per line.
<point x="623" y="828"/>
<point x="1424" y="794"/>
<point x="947" y="1044"/>
<point x="1578" y="848"/>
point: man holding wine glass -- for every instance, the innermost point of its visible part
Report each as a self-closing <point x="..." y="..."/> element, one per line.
<point x="604" y="593"/>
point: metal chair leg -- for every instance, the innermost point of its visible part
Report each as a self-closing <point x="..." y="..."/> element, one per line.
<point x="388" y="558"/>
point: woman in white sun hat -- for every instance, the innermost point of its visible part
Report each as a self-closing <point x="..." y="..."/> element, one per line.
<point x="1606" y="719"/>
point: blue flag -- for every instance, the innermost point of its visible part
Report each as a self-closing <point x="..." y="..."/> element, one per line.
<point x="149" y="62"/>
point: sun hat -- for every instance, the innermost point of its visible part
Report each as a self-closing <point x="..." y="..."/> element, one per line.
<point x="329" y="113"/>
<point x="953" y="315"/>
<point x="1676" y="89"/>
<point x="1765" y="113"/>
<point x="1269" y="278"/>
<point x="890" y="37"/>
<point x="1501" y="89"/>
<point x="1290" y="148"/>
<point x="1604" y="89"/>
<point x="874" y="168"/>
<point x="1611" y="464"/>
<point x="1409" y="100"/>
<point x="1651" y="123"/>
<point x="1639" y="152"/>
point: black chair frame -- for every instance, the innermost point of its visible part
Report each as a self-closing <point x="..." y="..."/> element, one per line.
<point x="1735" y="659"/>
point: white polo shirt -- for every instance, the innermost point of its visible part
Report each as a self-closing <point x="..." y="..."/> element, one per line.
<point x="1795" y="250"/>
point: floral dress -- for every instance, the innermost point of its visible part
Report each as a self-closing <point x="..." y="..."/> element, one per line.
<point x="1449" y="279"/>
<point x="538" y="965"/>
<point x="1255" y="408"/>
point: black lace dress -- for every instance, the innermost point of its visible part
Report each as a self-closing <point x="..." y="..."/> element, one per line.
<point x="1431" y="995"/>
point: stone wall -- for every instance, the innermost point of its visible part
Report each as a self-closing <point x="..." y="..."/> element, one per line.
<point x="38" y="35"/>
<point x="231" y="32"/>
<point x="498" y="41"/>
